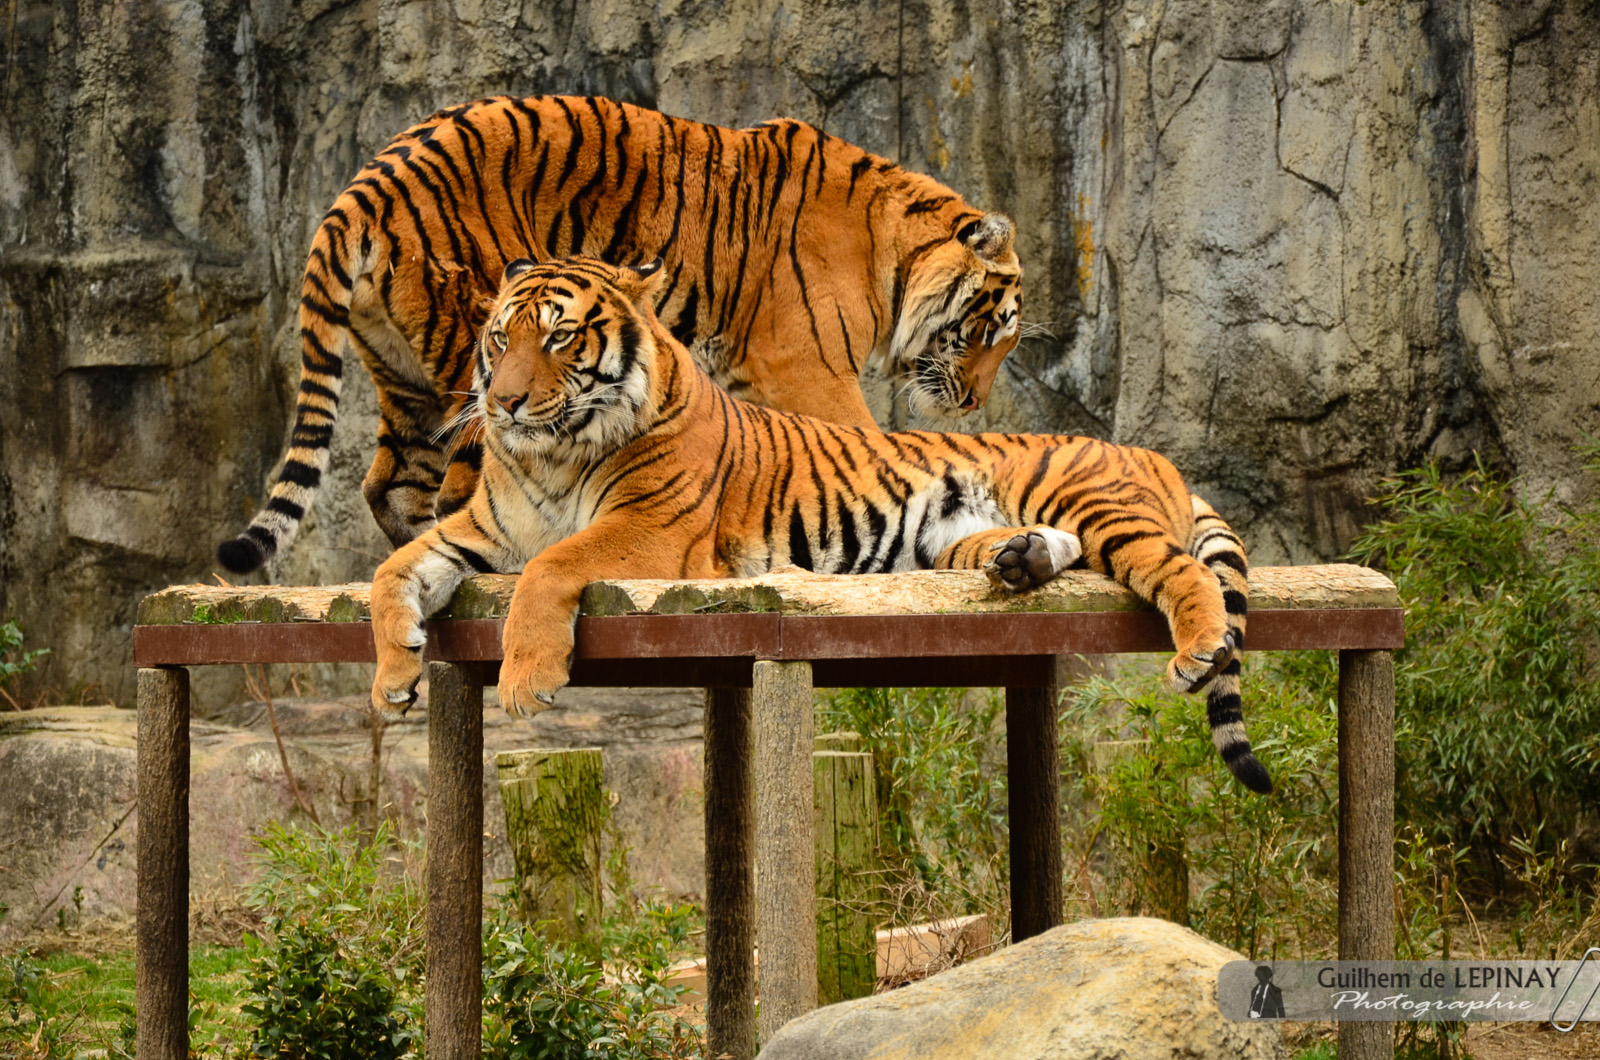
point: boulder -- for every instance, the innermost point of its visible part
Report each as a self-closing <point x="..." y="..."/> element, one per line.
<point x="1120" y="989"/>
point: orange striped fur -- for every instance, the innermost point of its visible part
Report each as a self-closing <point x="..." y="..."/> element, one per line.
<point x="790" y="258"/>
<point x="608" y="453"/>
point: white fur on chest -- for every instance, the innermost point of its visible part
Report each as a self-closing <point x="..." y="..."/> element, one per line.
<point x="942" y="519"/>
<point x="541" y="508"/>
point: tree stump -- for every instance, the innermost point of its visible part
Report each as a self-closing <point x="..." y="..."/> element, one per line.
<point x="837" y="741"/>
<point x="846" y="816"/>
<point x="555" y="812"/>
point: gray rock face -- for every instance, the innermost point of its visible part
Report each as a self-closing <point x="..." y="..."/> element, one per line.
<point x="68" y="826"/>
<point x="1129" y="989"/>
<point x="1295" y="246"/>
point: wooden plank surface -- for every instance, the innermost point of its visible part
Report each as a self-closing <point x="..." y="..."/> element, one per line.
<point x="716" y="650"/>
<point x="787" y="591"/>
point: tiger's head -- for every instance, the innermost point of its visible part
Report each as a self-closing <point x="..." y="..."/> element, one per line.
<point x="960" y="316"/>
<point x="565" y="357"/>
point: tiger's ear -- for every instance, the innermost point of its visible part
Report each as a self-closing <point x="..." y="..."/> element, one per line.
<point x="989" y="238"/>
<point x="640" y="282"/>
<point x="515" y="269"/>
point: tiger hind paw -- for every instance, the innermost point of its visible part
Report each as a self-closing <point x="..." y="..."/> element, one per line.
<point x="1031" y="558"/>
<point x="1192" y="670"/>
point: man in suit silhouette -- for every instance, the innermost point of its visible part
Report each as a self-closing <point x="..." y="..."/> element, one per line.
<point x="1266" y="1000"/>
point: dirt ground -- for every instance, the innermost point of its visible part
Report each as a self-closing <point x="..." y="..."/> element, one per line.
<point x="1491" y="1041"/>
<point x="1532" y="1041"/>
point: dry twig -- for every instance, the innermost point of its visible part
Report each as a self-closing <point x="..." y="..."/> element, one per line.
<point x="262" y="689"/>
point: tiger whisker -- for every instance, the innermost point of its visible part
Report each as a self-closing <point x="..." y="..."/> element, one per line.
<point x="446" y="430"/>
<point x="913" y="385"/>
<point x="467" y="413"/>
<point x="594" y="399"/>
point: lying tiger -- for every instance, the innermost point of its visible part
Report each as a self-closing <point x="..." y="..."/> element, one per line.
<point x="610" y="454"/>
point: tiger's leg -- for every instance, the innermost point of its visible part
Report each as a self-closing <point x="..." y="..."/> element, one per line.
<point x="538" y="638"/>
<point x="1214" y="544"/>
<point x="403" y="481"/>
<point x="1141" y="553"/>
<point x="1014" y="559"/>
<point x="409" y="465"/>
<point x="414" y="583"/>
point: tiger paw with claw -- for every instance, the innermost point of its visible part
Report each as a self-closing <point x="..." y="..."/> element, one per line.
<point x="1192" y="669"/>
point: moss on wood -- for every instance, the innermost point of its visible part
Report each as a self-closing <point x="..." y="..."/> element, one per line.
<point x="555" y="810"/>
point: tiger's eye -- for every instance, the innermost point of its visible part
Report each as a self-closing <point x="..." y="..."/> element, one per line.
<point x="499" y="339"/>
<point x="559" y="339"/>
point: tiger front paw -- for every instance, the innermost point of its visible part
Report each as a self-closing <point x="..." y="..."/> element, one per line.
<point x="529" y="681"/>
<point x="399" y="639"/>
<point x="1031" y="558"/>
<point x="394" y="688"/>
<point x="1192" y="669"/>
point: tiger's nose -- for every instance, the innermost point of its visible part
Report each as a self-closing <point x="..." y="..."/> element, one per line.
<point x="510" y="404"/>
<point x="969" y="402"/>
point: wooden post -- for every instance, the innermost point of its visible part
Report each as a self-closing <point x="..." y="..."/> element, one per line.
<point x="730" y="875"/>
<point x="161" y="992"/>
<point x="555" y="811"/>
<point x="1034" y="773"/>
<point x="786" y="903"/>
<point x="454" y="991"/>
<point x="845" y="822"/>
<point x="1366" y="830"/>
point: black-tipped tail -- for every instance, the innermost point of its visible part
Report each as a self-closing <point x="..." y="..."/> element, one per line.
<point x="1215" y="544"/>
<point x="242" y="554"/>
<point x="324" y="335"/>
<point x="1224" y="712"/>
<point x="1251" y="773"/>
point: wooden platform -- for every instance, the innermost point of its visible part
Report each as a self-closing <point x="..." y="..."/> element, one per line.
<point x="944" y="627"/>
<point x="760" y="645"/>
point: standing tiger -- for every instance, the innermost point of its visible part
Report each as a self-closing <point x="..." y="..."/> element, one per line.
<point x="791" y="257"/>
<point x="610" y="454"/>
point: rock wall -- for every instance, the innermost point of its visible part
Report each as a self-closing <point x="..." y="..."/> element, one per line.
<point x="1296" y="246"/>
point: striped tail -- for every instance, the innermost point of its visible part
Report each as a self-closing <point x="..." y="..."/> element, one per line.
<point x="1214" y="544"/>
<point x="324" y="335"/>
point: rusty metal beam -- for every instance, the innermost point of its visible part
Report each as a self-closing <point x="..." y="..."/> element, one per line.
<point x="642" y="638"/>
